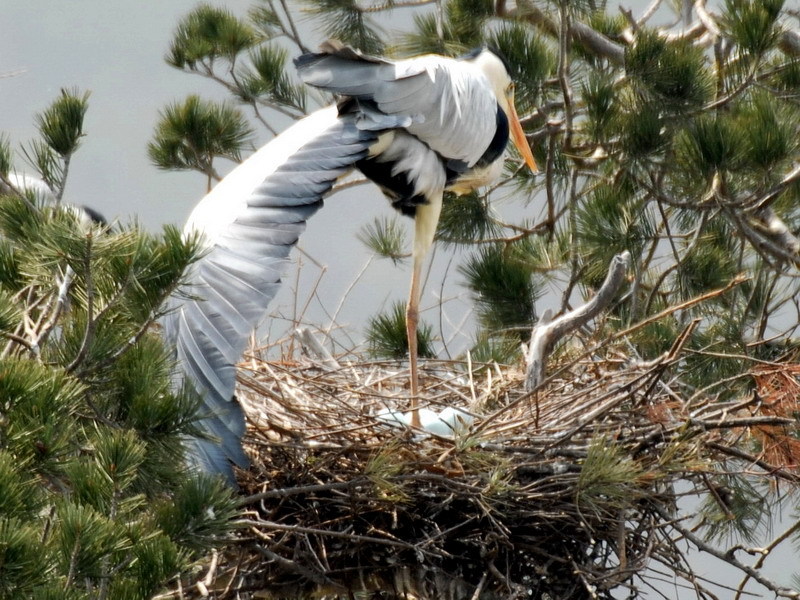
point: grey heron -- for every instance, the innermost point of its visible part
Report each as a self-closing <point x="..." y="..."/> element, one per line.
<point x="444" y="124"/>
<point x="415" y="127"/>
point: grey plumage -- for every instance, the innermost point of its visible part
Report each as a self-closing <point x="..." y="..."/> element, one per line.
<point x="445" y="103"/>
<point x="249" y="233"/>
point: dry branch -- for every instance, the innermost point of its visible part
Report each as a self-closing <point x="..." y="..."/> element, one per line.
<point x="547" y="332"/>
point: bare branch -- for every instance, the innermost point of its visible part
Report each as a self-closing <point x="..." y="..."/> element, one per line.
<point x="546" y="333"/>
<point x="727" y="557"/>
<point x="592" y="39"/>
<point x="707" y="20"/>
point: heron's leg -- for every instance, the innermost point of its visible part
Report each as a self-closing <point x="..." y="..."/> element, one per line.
<point x="412" y="319"/>
<point x="425" y="222"/>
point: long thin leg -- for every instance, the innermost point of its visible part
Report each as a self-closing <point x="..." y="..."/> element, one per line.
<point x="412" y="319"/>
<point x="425" y="222"/>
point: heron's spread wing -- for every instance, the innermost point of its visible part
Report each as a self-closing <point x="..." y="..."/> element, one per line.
<point x="250" y="221"/>
<point x="449" y="103"/>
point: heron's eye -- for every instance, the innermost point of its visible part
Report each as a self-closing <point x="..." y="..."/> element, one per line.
<point x="510" y="89"/>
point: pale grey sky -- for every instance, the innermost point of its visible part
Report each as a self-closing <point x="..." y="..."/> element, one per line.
<point x="115" y="50"/>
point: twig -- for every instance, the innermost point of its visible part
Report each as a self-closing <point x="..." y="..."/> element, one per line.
<point x="270" y="525"/>
<point x="707" y="20"/>
<point x="392" y="5"/>
<point x="726" y="557"/>
<point x="347" y="292"/>
<point x="765" y="552"/>
<point x="591" y="38"/>
<point x="91" y="319"/>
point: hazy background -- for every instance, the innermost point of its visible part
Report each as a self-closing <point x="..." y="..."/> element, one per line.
<point x="115" y="50"/>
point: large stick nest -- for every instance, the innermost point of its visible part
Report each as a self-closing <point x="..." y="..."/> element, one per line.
<point x="561" y="493"/>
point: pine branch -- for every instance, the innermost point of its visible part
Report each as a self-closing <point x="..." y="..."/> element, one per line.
<point x="764" y="245"/>
<point x="91" y="320"/>
<point x="750" y="459"/>
<point x="389" y="6"/>
<point x="564" y="48"/>
<point x="295" y="34"/>
<point x="580" y="32"/>
<point x="60" y="303"/>
<point x="774" y="227"/>
<point x="772" y="195"/>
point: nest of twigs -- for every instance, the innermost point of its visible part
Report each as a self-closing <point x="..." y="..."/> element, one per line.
<point x="557" y="494"/>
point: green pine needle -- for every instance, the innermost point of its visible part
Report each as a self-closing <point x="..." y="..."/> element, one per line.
<point x="61" y="124"/>
<point x="192" y="133"/>
<point x="461" y="30"/>
<point x="155" y="560"/>
<point x="611" y="221"/>
<point x="710" y="144"/>
<point x="734" y="510"/>
<point x="198" y="515"/>
<point x="602" y="107"/>
<point x="267" y="76"/>
<point x="208" y="33"/>
<point x="752" y="23"/>
<point x="531" y="61"/>
<point x="264" y="18"/>
<point x="6" y="162"/>
<point x="424" y="38"/>
<point x="768" y="132"/>
<point x="19" y="493"/>
<point x="10" y="312"/>
<point x="10" y="276"/>
<point x="86" y="539"/>
<point x="386" y="237"/>
<point x="345" y="21"/>
<point x="674" y="73"/>
<point x="706" y="268"/>
<point x="42" y="399"/>
<point x="466" y="20"/>
<point x="608" y="481"/>
<point x="503" y="289"/>
<point x="387" y="338"/>
<point x="46" y="161"/>
<point x="496" y="349"/>
<point x="23" y="565"/>
<point x="118" y="454"/>
<point x="466" y="218"/>
<point x="643" y="131"/>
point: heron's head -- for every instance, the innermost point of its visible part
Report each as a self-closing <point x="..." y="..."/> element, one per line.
<point x="496" y="70"/>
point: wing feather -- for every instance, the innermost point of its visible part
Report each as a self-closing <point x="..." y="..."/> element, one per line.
<point x="250" y="222"/>
<point x="449" y="102"/>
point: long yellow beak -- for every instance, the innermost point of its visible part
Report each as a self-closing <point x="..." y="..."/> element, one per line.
<point x="518" y="135"/>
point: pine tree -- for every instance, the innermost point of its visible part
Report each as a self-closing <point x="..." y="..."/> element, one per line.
<point x="676" y="144"/>
<point x="95" y="500"/>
